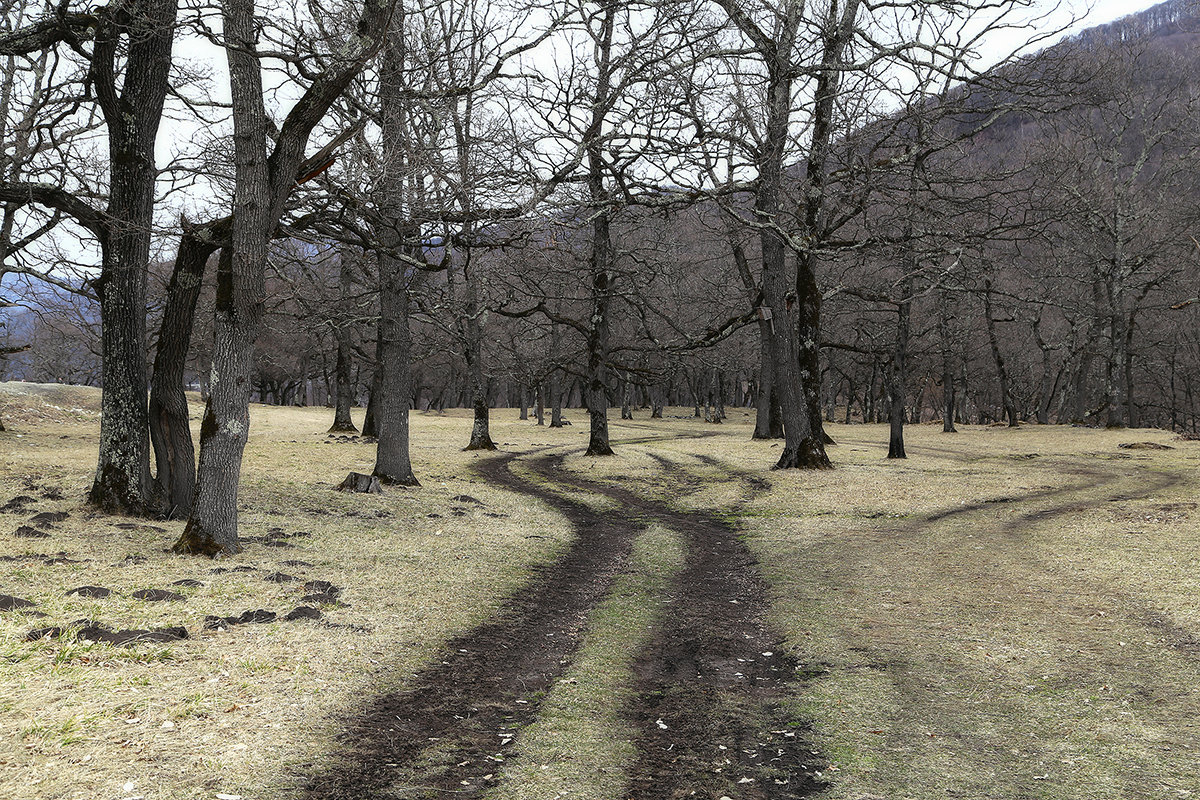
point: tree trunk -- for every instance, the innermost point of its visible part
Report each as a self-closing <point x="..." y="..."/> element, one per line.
<point x="392" y="462"/>
<point x="472" y="332"/>
<point x="170" y="431"/>
<point x="948" y="398"/>
<point x="897" y="384"/>
<point x="767" y="425"/>
<point x="602" y="256"/>
<point x="556" y="401"/>
<point x="344" y="386"/>
<point x="370" y="426"/>
<point x="1010" y="409"/>
<point x="802" y="444"/>
<point x="132" y="115"/>
<point x="540" y="412"/>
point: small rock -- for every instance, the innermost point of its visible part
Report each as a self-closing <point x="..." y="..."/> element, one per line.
<point x="465" y="498"/>
<point x="26" y="532"/>
<point x="187" y="582"/>
<point x="280" y="577"/>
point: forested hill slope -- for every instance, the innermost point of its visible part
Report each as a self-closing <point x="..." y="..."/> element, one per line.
<point x="1044" y="258"/>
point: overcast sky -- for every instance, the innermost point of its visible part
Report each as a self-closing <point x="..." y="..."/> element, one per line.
<point x="1108" y="10"/>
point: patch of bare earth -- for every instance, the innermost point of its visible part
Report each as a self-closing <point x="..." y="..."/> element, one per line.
<point x="708" y="715"/>
<point x="452" y="728"/>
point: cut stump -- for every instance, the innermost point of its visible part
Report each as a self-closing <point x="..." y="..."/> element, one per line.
<point x="358" y="482"/>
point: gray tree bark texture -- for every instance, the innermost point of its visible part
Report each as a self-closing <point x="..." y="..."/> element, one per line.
<point x="342" y="422"/>
<point x="602" y="255"/>
<point x="262" y="185"/>
<point x="393" y="464"/>
<point x="132" y="114"/>
<point x="170" y="434"/>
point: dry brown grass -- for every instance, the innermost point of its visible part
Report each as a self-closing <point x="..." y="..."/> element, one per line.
<point x="1045" y="644"/>
<point x="249" y="705"/>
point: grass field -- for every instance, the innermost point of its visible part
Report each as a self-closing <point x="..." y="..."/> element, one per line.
<point x="1005" y="614"/>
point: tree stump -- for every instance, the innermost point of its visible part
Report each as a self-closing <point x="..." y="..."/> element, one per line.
<point x="358" y="482"/>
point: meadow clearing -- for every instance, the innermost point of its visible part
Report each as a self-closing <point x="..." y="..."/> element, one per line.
<point x="1008" y="613"/>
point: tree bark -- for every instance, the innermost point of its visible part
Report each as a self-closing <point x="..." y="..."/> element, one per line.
<point x="132" y="115"/>
<point x="897" y="384"/>
<point x="948" y="399"/>
<point x="472" y="332"/>
<point x="170" y="424"/>
<point x="395" y="236"/>
<point x="344" y="387"/>
<point x="262" y="185"/>
<point x="602" y="255"/>
<point x="370" y="428"/>
<point x="1010" y="409"/>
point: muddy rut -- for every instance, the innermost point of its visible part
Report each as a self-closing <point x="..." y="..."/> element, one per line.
<point x="706" y="718"/>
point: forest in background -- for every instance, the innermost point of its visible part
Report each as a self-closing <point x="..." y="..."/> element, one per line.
<point x="684" y="203"/>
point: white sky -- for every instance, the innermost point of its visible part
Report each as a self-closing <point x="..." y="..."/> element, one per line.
<point x="1105" y="11"/>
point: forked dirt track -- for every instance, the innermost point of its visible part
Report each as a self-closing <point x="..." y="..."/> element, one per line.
<point x="706" y="716"/>
<point x="709" y="712"/>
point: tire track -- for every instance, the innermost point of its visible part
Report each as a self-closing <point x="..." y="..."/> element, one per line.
<point x="709" y="718"/>
<point x="443" y="733"/>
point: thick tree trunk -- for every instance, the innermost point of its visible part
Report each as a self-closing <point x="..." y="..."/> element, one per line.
<point x="602" y="256"/>
<point x="808" y="339"/>
<point x="803" y="447"/>
<point x="262" y="185"/>
<point x="392" y="462"/>
<point x="132" y="115"/>
<point x="170" y="431"/>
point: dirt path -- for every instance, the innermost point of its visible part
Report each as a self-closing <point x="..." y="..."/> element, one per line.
<point x="709" y="710"/>
<point x="709" y="715"/>
<point x="705" y="719"/>
<point x="445" y="729"/>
